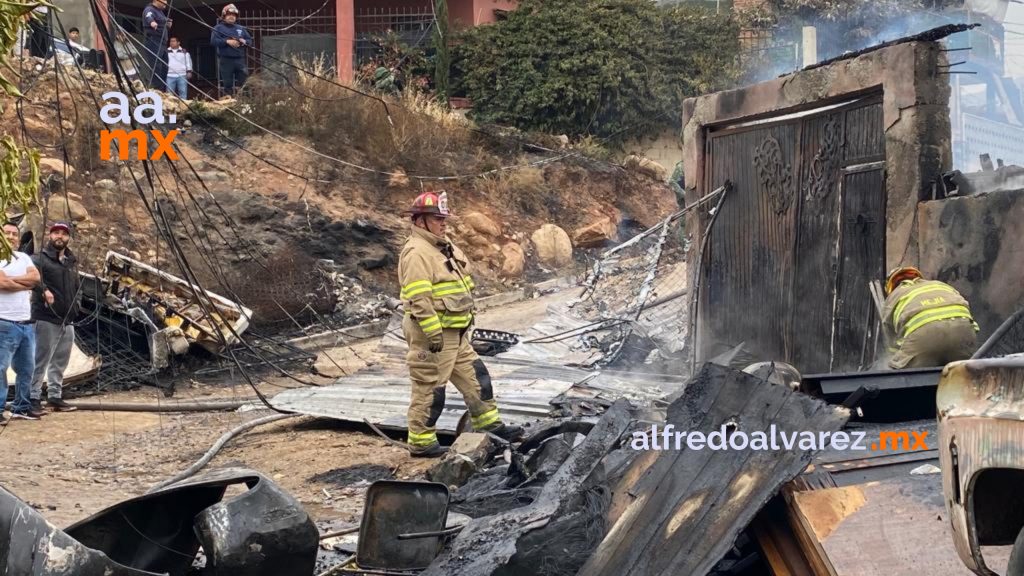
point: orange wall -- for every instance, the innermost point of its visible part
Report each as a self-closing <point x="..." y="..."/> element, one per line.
<point x="483" y="10"/>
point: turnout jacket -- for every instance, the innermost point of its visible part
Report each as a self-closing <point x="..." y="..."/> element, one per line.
<point x="437" y="288"/>
<point x="916" y="303"/>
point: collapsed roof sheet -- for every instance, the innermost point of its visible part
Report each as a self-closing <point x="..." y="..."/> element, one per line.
<point x="524" y="389"/>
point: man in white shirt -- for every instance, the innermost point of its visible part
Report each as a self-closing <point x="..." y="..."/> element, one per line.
<point x="17" y="334"/>
<point x="179" y="69"/>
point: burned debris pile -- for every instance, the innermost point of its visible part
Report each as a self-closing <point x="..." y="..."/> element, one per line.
<point x="599" y="495"/>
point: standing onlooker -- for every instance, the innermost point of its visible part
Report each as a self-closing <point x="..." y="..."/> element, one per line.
<point x="127" y="56"/>
<point x="40" y="42"/>
<point x="17" y="338"/>
<point x="155" y="22"/>
<point x="54" y="309"/>
<point x="179" y="69"/>
<point x="230" y="40"/>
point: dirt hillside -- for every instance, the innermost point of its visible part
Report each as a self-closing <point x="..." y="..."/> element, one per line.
<point x="255" y="208"/>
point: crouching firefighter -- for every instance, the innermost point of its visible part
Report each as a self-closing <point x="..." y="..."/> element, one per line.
<point x="928" y="322"/>
<point x="438" y="325"/>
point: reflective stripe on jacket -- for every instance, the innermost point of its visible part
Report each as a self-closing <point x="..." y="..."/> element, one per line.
<point x="437" y="289"/>
<point x="919" y="302"/>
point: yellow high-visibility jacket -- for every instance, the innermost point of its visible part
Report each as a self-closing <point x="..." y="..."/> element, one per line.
<point x="437" y="289"/>
<point x="916" y="303"/>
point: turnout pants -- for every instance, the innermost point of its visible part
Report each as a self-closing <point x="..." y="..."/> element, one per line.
<point x="53" y="351"/>
<point x="430" y="372"/>
<point x="936" y="344"/>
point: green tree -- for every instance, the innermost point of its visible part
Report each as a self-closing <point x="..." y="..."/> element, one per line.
<point x="607" y="68"/>
<point x="443" y="57"/>
<point x="19" y="166"/>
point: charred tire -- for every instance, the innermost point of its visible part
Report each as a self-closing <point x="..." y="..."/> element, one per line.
<point x="1016" y="565"/>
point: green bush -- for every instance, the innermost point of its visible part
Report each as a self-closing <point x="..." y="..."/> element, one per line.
<point x="605" y="68"/>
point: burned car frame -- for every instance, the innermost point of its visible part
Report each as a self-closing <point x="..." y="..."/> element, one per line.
<point x="980" y="407"/>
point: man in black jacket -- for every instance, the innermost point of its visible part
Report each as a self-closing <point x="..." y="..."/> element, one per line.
<point x="54" y="309"/>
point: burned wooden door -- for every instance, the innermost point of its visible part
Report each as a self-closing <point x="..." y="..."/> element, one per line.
<point x="862" y="249"/>
<point x="798" y="237"/>
<point x="748" y="267"/>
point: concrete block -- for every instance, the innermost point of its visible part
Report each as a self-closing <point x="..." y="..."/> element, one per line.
<point x="465" y="457"/>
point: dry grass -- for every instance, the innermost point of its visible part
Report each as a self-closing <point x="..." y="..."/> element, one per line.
<point x="411" y="132"/>
<point x="524" y="191"/>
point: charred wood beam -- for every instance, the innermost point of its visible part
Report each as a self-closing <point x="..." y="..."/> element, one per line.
<point x="487" y="544"/>
<point x="688" y="506"/>
<point x="552" y="429"/>
<point x="927" y="36"/>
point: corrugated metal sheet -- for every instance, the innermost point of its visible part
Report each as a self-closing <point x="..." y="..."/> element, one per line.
<point x="524" y="386"/>
<point x="681" y="509"/>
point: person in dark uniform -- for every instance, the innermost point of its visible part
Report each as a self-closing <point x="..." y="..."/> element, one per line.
<point x="231" y="40"/>
<point x="155" y="24"/>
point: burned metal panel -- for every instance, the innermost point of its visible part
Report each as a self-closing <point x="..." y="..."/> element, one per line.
<point x="31" y="545"/>
<point x="862" y="246"/>
<point x="817" y="244"/>
<point x="981" y="448"/>
<point x="748" y="267"/>
<point x="688" y="506"/>
<point x="262" y="532"/>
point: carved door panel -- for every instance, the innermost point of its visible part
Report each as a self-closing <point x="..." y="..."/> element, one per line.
<point x="774" y="259"/>
<point x="748" y="267"/>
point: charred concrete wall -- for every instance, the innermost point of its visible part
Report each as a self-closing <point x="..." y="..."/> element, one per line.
<point x="828" y="165"/>
<point x="915" y="118"/>
<point x="976" y="244"/>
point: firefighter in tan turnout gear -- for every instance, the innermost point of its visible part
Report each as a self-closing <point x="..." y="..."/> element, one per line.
<point x="928" y="321"/>
<point x="438" y="301"/>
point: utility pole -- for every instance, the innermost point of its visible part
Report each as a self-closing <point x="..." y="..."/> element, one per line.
<point x="810" y="45"/>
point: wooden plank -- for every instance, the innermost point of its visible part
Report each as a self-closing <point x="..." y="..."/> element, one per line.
<point x="895" y="526"/>
<point x="810" y="546"/>
<point x="778" y="543"/>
